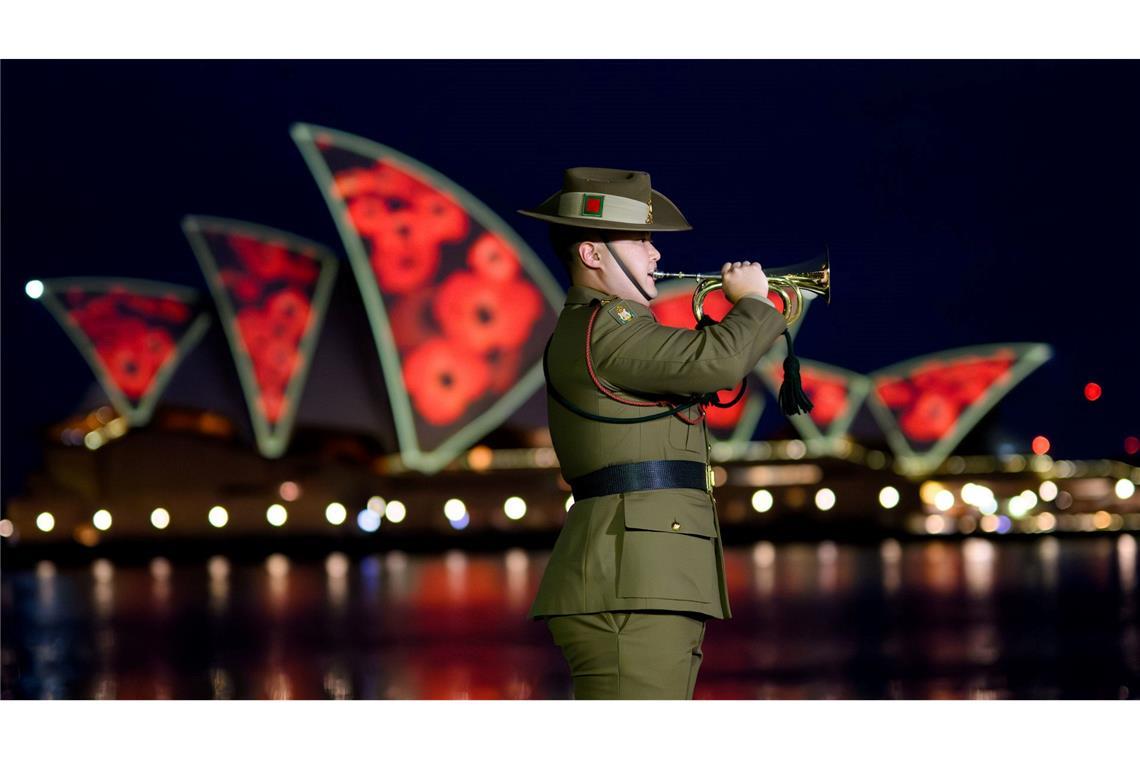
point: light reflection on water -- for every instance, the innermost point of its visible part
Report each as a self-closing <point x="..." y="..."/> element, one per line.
<point x="979" y="619"/>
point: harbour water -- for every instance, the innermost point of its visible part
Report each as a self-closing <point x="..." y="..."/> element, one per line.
<point x="1042" y="617"/>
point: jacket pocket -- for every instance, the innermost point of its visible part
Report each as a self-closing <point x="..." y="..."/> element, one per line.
<point x="667" y="551"/>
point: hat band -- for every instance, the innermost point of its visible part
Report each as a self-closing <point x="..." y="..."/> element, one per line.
<point x="610" y="208"/>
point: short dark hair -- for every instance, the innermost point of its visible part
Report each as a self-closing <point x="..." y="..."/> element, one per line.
<point x="564" y="239"/>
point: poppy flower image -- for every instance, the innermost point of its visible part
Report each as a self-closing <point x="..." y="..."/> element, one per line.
<point x="674" y="310"/>
<point x="443" y="377"/>
<point x="380" y="179"/>
<point x="485" y="314"/>
<point x="95" y="311"/>
<point x="272" y="404"/>
<point x="404" y="257"/>
<point x="173" y="310"/>
<point x="492" y="258"/>
<point x="442" y="218"/>
<point x="895" y="393"/>
<point x="157" y="346"/>
<point x="131" y="371"/>
<point x="255" y="330"/>
<point x="275" y="364"/>
<point x="411" y="317"/>
<point x="301" y="270"/>
<point x="266" y="261"/>
<point x="930" y="417"/>
<point x="504" y="369"/>
<point x="242" y="287"/>
<point x="132" y="363"/>
<point x="288" y="310"/>
<point x="368" y="214"/>
<point x="829" y="399"/>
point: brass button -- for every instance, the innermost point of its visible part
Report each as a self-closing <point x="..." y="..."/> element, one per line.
<point x="676" y="526"/>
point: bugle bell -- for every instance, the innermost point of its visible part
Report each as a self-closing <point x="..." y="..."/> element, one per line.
<point x="790" y="282"/>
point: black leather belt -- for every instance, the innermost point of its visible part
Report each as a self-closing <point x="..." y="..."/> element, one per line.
<point x="640" y="476"/>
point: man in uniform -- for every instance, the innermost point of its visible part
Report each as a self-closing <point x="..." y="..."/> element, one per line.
<point x="638" y="568"/>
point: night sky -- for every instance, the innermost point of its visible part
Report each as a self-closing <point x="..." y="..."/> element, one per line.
<point x="963" y="201"/>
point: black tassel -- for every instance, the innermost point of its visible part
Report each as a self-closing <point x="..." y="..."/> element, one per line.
<point x="792" y="398"/>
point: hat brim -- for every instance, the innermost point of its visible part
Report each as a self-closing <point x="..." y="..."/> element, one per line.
<point x="666" y="217"/>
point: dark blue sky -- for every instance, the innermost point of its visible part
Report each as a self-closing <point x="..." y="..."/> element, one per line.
<point x="963" y="201"/>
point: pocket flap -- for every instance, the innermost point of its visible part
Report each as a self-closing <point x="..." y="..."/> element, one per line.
<point x="691" y="511"/>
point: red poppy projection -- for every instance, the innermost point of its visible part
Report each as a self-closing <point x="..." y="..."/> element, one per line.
<point x="928" y="404"/>
<point x="133" y="334"/>
<point x="459" y="305"/>
<point x="836" y="395"/>
<point x="272" y="289"/>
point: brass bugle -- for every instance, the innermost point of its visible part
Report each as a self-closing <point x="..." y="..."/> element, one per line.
<point x="790" y="282"/>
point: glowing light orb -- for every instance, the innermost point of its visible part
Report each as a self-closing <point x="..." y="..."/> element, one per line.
<point x="825" y="499"/>
<point x="218" y="516"/>
<point x="160" y="518"/>
<point x="34" y="288"/>
<point x="395" y="511"/>
<point x="368" y="521"/>
<point x="336" y="514"/>
<point x="1040" y="445"/>
<point x="276" y="515"/>
<point x="762" y="500"/>
<point x="1048" y="490"/>
<point x="454" y="509"/>
<point x="929" y="490"/>
<point x="514" y="507"/>
<point x="480" y="458"/>
<point x="45" y="521"/>
<point x="889" y="497"/>
<point x="1124" y="489"/>
<point x="462" y="522"/>
<point x="289" y="491"/>
<point x="944" y="500"/>
<point x="1092" y="391"/>
<point x="101" y="519"/>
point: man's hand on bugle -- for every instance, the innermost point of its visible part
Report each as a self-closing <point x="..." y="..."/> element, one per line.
<point x="742" y="279"/>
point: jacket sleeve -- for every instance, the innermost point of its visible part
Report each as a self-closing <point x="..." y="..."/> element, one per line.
<point x="645" y="356"/>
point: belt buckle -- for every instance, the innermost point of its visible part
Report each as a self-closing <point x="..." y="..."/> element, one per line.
<point x="708" y="478"/>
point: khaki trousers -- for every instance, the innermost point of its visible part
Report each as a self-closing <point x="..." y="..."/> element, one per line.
<point x="642" y="654"/>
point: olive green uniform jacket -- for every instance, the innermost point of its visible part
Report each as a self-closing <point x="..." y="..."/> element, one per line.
<point x="641" y="550"/>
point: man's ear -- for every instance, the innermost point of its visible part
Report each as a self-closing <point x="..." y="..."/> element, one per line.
<point x="590" y="255"/>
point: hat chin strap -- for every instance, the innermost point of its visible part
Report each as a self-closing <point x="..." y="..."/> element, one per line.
<point x="620" y="263"/>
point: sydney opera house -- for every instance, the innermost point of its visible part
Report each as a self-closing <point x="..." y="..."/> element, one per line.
<point x="395" y="398"/>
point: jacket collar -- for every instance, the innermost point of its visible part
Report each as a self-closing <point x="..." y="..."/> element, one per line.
<point x="580" y="294"/>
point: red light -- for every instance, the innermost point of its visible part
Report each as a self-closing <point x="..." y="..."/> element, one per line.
<point x="1092" y="391"/>
<point x="1132" y="444"/>
<point x="1040" y="445"/>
